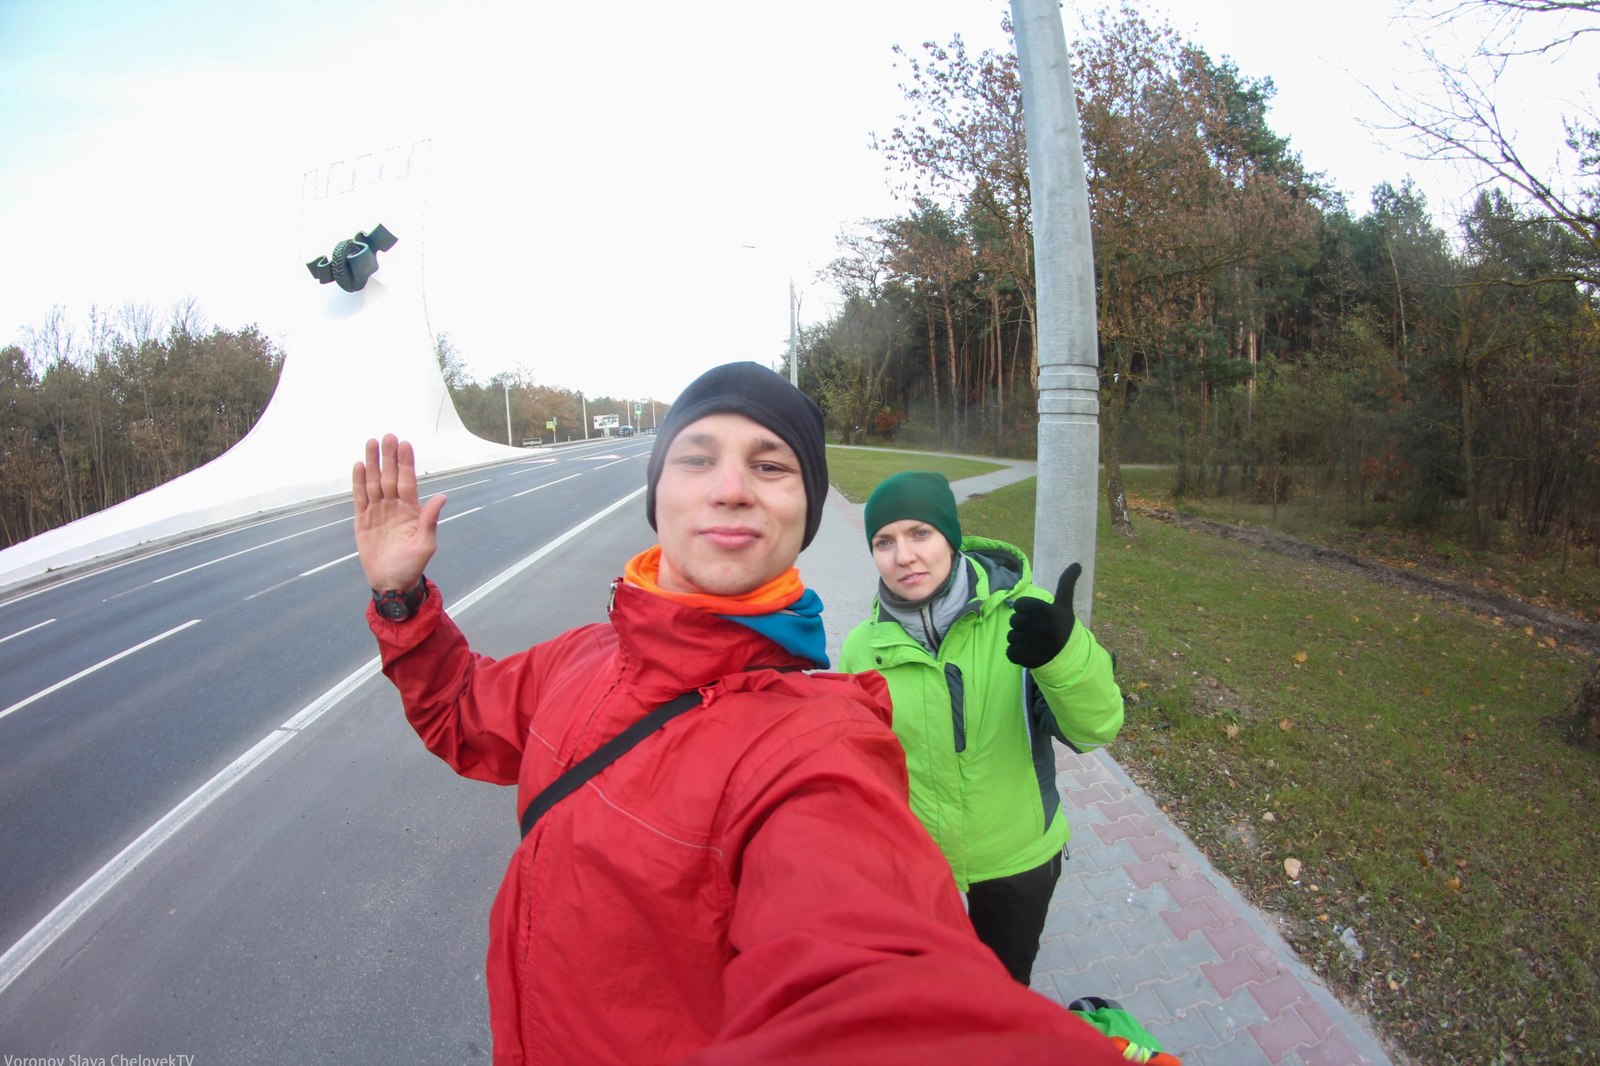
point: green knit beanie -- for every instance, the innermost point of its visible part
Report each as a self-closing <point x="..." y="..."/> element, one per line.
<point x="919" y="494"/>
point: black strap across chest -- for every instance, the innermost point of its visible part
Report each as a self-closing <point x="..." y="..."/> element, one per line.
<point x="603" y="756"/>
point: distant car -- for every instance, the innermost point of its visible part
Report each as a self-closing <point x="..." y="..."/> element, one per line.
<point x="625" y="431"/>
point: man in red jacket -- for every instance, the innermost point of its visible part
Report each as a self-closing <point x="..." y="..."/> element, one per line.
<point x="748" y="883"/>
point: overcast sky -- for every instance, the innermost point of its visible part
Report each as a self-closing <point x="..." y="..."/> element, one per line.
<point x="618" y="193"/>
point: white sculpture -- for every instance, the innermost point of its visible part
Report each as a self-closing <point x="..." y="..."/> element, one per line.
<point x="358" y="364"/>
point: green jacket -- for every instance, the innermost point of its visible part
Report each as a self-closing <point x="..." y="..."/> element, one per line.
<point x="976" y="727"/>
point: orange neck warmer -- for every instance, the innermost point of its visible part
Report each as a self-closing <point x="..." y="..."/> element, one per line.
<point x="644" y="571"/>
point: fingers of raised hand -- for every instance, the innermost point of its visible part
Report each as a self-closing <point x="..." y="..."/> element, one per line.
<point x="389" y="475"/>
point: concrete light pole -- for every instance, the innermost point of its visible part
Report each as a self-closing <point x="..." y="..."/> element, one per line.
<point x="1069" y="376"/>
<point x="506" y="384"/>
<point x="794" y="344"/>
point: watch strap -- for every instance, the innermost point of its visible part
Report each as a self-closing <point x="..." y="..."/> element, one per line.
<point x="397" y="605"/>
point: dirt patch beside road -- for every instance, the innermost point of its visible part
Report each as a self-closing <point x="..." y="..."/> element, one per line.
<point x="1570" y="630"/>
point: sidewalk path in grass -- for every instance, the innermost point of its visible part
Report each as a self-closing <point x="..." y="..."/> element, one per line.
<point x="1139" y="915"/>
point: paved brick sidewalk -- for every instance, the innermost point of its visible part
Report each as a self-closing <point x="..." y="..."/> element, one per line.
<point x="1139" y="915"/>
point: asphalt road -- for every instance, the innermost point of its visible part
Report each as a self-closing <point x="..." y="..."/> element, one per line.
<point x="218" y="836"/>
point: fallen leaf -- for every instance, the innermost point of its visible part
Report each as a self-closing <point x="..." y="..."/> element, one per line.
<point x="1232" y="730"/>
<point x="1284" y="725"/>
<point x="1528" y="630"/>
<point x="1300" y="656"/>
<point x="1292" y="868"/>
<point x="1269" y="817"/>
<point x="1454" y="883"/>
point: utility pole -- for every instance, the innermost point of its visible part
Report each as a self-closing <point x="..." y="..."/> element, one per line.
<point x="585" y="404"/>
<point x="1069" y="375"/>
<point x="794" y="345"/>
<point x="506" y="383"/>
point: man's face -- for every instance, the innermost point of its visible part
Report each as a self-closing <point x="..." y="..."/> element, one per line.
<point x="730" y="507"/>
<point x="912" y="557"/>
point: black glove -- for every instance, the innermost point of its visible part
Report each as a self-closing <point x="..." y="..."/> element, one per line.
<point x="1039" y="630"/>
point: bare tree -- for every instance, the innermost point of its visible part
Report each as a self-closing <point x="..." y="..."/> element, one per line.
<point x="1464" y="122"/>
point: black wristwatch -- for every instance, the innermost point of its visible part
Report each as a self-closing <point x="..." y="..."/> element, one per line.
<point x="397" y="606"/>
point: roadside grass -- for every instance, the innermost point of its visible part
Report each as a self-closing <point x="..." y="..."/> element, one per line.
<point x="1546" y="573"/>
<point x="856" y="471"/>
<point x="1398" y="748"/>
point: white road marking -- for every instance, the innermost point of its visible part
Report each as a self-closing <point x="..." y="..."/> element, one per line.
<point x="247" y="551"/>
<point x="546" y="485"/>
<point x="352" y="555"/>
<point x="452" y="488"/>
<point x="30" y="629"/>
<point x="66" y="913"/>
<point x="313" y="570"/>
<point x="81" y="674"/>
<point x="144" y="556"/>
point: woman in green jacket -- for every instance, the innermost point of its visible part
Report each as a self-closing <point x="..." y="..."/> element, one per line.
<point x="984" y="667"/>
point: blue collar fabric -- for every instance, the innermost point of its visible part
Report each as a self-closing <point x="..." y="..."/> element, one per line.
<point x="797" y="628"/>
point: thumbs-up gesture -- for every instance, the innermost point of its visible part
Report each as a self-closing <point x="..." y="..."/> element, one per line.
<point x="1039" y="630"/>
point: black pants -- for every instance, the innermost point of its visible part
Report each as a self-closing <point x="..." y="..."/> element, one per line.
<point x="1008" y="914"/>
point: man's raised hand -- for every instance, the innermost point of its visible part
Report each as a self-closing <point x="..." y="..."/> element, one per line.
<point x="396" y="534"/>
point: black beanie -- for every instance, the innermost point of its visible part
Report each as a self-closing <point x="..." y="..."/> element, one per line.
<point x="920" y="494"/>
<point x="752" y="390"/>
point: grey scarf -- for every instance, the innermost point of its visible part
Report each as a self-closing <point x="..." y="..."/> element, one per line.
<point x="927" y="620"/>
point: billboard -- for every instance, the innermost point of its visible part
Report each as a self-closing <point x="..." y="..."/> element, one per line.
<point x="605" y="421"/>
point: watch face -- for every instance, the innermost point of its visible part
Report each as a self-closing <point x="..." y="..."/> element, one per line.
<point x="394" y="609"/>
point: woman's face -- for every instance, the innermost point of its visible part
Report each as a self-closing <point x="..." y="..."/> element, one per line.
<point x="912" y="557"/>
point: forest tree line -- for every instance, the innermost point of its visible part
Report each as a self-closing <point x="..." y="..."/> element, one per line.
<point x="486" y="406"/>
<point x="93" y="417"/>
<point x="1252" y="330"/>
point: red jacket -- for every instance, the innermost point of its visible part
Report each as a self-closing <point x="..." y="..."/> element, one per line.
<point x="747" y="885"/>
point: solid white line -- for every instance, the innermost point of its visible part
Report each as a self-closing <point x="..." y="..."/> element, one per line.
<point x="530" y="466"/>
<point x="30" y="629"/>
<point x="51" y="928"/>
<point x="68" y="911"/>
<point x="97" y="666"/>
<point x="622" y="460"/>
<point x="453" y="517"/>
<point x="247" y="551"/>
<point x="546" y="485"/>
<point x="518" y="567"/>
